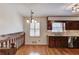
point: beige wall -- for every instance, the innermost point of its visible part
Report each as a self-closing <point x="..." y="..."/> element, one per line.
<point x="39" y="40"/>
<point x="10" y="20"/>
<point x="42" y="40"/>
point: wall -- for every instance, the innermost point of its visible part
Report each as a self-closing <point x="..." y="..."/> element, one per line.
<point x="10" y="20"/>
<point x="44" y="32"/>
<point x="42" y="40"/>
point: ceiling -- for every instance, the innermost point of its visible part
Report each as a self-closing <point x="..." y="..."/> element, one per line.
<point x="43" y="9"/>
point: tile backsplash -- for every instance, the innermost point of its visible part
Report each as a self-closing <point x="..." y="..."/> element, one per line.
<point x="65" y="33"/>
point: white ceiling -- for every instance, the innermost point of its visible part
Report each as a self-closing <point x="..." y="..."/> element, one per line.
<point x="42" y="9"/>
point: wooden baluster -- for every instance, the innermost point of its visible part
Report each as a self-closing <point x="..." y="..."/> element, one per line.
<point x="9" y="43"/>
<point x="12" y="43"/>
<point x="22" y="40"/>
<point x="12" y="40"/>
<point x="6" y="44"/>
<point x="19" y="41"/>
<point x="15" y="43"/>
<point x="1" y="44"/>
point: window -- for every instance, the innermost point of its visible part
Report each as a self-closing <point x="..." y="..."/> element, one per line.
<point x="34" y="28"/>
<point x="58" y="27"/>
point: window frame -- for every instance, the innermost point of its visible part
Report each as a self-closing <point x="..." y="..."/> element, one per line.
<point x="35" y="30"/>
<point x="63" y="27"/>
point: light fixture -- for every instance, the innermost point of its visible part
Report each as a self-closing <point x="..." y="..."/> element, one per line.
<point x="28" y="21"/>
<point x="75" y="8"/>
<point x="31" y="18"/>
<point x="35" y="21"/>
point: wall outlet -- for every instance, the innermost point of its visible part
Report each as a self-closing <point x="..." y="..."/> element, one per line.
<point x="39" y="40"/>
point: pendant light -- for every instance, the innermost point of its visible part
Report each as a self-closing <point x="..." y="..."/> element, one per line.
<point x="31" y="17"/>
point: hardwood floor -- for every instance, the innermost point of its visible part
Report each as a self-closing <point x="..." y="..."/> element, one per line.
<point x="44" y="50"/>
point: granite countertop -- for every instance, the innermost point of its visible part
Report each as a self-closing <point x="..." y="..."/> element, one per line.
<point x="65" y="33"/>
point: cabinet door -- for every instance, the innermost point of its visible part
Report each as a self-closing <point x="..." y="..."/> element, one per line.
<point x="77" y="25"/>
<point x="49" y="25"/>
<point x="58" y="42"/>
<point x="62" y="42"/>
<point x="76" y="43"/>
<point x="68" y="25"/>
<point x="51" y="41"/>
<point x="72" y="25"/>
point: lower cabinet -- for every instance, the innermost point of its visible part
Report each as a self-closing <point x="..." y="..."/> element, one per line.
<point x="76" y="43"/>
<point x="58" y="41"/>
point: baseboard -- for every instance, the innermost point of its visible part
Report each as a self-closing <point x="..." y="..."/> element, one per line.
<point x="36" y="44"/>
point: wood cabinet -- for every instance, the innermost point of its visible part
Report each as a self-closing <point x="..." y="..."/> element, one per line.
<point x="69" y="25"/>
<point x="51" y="42"/>
<point x="76" y="43"/>
<point x="58" y="42"/>
<point x="72" y="25"/>
<point x="49" y="25"/>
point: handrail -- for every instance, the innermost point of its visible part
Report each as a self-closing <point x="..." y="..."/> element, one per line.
<point x="14" y="40"/>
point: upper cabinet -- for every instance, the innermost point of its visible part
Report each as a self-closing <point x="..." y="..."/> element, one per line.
<point x="69" y="24"/>
<point x="49" y="25"/>
<point x="55" y="26"/>
<point x="72" y="25"/>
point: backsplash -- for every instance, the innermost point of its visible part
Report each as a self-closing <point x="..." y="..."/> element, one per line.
<point x="65" y="33"/>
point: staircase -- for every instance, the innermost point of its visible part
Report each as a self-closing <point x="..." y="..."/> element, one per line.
<point x="11" y="42"/>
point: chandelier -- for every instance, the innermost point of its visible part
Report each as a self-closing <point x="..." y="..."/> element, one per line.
<point x="31" y="17"/>
<point x="75" y="7"/>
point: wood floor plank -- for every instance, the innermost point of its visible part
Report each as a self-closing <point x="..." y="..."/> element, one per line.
<point x="45" y="50"/>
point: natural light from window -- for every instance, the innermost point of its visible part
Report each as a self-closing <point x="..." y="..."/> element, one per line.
<point x="58" y="27"/>
<point x="34" y="28"/>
